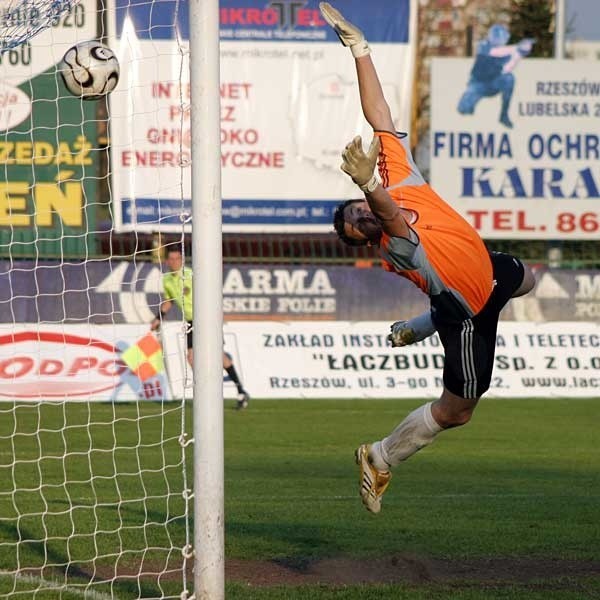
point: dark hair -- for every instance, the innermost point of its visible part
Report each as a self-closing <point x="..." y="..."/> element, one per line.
<point x="174" y="248"/>
<point x="339" y="223"/>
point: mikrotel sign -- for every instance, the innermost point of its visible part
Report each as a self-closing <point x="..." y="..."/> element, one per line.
<point x="48" y="364"/>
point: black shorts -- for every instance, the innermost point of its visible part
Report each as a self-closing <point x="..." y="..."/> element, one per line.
<point x="190" y="336"/>
<point x="470" y="344"/>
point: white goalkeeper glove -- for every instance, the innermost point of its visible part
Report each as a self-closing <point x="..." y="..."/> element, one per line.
<point x="350" y="35"/>
<point x="402" y="334"/>
<point x="360" y="165"/>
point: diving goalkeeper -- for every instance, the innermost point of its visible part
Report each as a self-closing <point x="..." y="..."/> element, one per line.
<point x="420" y="237"/>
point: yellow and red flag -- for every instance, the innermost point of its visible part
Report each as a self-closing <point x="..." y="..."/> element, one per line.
<point x="144" y="358"/>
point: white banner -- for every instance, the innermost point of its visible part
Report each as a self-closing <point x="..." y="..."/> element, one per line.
<point x="353" y="360"/>
<point x="87" y="363"/>
<point x="289" y="105"/>
<point x="291" y="360"/>
<point x="519" y="156"/>
<point x="73" y="362"/>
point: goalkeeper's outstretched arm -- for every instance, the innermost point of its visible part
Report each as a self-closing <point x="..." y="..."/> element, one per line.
<point x="373" y="102"/>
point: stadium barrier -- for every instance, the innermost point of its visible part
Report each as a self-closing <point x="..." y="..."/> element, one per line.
<point x="287" y="359"/>
<point x="319" y="329"/>
<point x="108" y="291"/>
<point x="352" y="359"/>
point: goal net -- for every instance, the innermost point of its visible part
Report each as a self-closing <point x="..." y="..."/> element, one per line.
<point x="95" y="497"/>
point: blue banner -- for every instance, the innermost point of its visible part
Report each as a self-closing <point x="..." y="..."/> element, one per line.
<point x="266" y="20"/>
<point x="108" y="291"/>
<point x="280" y="212"/>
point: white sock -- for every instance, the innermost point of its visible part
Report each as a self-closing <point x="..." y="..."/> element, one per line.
<point x="376" y="458"/>
<point x="417" y="430"/>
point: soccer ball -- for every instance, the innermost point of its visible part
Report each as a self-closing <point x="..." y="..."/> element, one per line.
<point x="90" y="70"/>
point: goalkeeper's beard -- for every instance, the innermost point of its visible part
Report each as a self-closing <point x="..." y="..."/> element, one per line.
<point x="370" y="227"/>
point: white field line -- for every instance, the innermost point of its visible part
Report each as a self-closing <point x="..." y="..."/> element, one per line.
<point x="55" y="585"/>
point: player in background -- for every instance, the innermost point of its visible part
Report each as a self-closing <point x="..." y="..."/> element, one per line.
<point x="177" y="287"/>
<point x="492" y="71"/>
<point x="422" y="238"/>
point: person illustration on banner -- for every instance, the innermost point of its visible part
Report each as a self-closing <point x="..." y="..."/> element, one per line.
<point x="177" y="288"/>
<point x="492" y="72"/>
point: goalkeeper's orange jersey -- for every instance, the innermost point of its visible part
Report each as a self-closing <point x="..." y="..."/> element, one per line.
<point x="445" y="256"/>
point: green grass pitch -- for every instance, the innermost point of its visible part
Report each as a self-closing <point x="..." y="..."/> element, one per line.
<point x="506" y="507"/>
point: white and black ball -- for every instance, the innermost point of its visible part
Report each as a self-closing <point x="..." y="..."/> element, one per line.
<point x="90" y="70"/>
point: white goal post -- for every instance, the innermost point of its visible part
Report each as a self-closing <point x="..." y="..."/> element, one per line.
<point x="209" y="510"/>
